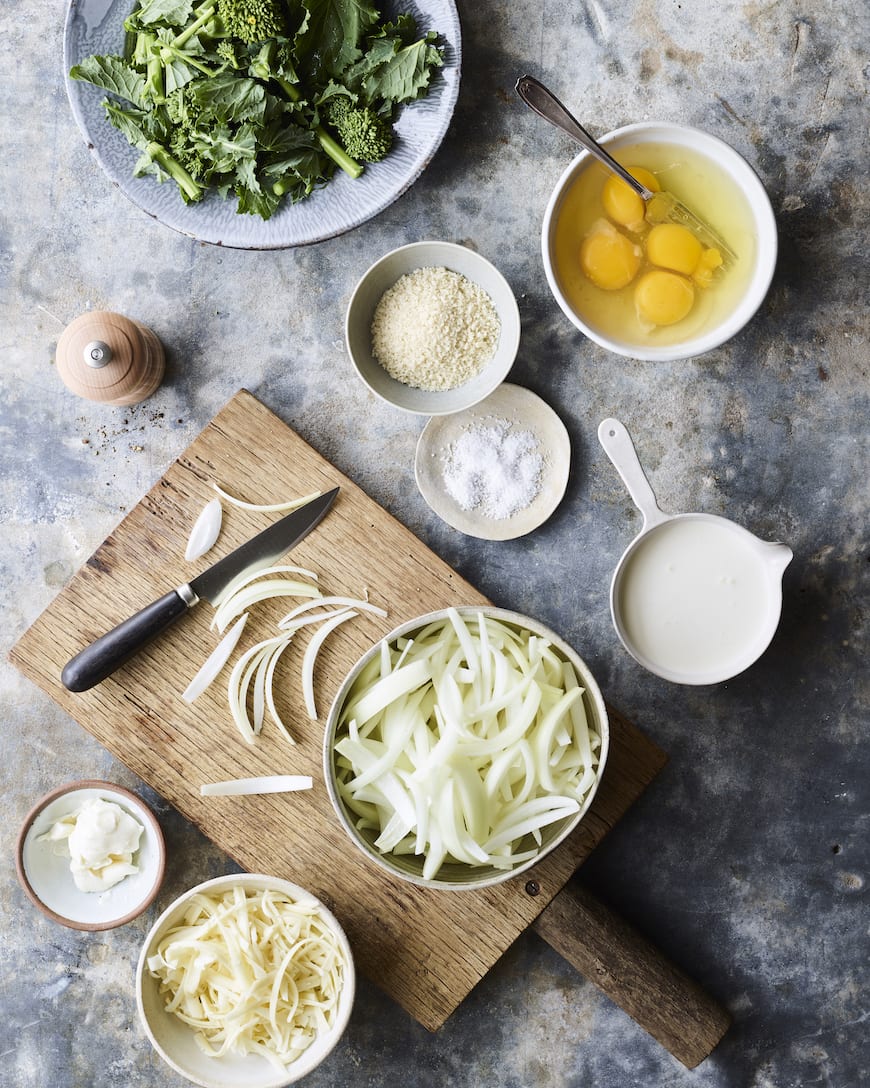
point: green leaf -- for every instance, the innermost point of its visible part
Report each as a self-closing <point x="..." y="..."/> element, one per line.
<point x="254" y="199"/>
<point x="170" y="12"/>
<point x="112" y="74"/>
<point x="137" y="125"/>
<point x="402" y="75"/>
<point x="404" y="28"/>
<point x="332" y="33"/>
<point x="228" y="97"/>
<point x="226" y="149"/>
<point x="334" y="90"/>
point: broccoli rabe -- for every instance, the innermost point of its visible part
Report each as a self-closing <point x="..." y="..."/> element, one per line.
<point x="252" y="20"/>
<point x="365" y="135"/>
<point x="260" y="98"/>
<point x="274" y="63"/>
<point x="190" y="188"/>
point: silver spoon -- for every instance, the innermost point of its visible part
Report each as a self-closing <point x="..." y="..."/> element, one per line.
<point x="661" y="207"/>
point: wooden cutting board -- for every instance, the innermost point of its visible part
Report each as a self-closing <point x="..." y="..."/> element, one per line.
<point x="427" y="950"/>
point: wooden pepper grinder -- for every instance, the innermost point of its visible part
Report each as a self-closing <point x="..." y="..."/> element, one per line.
<point x="110" y="358"/>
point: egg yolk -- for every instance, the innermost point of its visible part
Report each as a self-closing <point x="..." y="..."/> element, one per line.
<point x="622" y="203"/>
<point x="608" y="258"/>
<point x="671" y="246"/>
<point x="662" y="298"/>
<point x="711" y="259"/>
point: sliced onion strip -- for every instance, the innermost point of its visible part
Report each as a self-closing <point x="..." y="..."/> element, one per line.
<point x="251" y="594"/>
<point x="310" y="658"/>
<point x="267" y="508"/>
<point x="216" y="660"/>
<point x="242" y="787"/>
<point x="323" y="602"/>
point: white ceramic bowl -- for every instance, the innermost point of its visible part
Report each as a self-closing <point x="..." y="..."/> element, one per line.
<point x="724" y="158"/>
<point x="458" y="876"/>
<point x="382" y="275"/>
<point x="174" y="1040"/>
<point x="46" y="876"/>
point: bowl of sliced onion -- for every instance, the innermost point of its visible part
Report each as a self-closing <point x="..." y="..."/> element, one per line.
<point x="464" y="747"/>
<point x="246" y="981"/>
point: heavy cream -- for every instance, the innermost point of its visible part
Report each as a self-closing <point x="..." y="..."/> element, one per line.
<point x="100" y="839"/>
<point x="694" y="597"/>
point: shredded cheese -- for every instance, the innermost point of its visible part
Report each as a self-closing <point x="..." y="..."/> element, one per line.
<point x="253" y="972"/>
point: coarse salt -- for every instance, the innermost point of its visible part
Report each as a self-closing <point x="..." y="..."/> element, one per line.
<point x="494" y="469"/>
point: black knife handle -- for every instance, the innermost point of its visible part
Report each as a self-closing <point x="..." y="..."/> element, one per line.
<point x="111" y="650"/>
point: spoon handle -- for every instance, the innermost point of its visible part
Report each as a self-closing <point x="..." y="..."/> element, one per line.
<point x="537" y="97"/>
<point x="620" y="449"/>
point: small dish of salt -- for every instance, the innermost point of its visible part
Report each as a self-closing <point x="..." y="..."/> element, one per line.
<point x="497" y="470"/>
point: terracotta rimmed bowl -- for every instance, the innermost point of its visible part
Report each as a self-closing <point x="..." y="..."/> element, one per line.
<point x="46" y="877"/>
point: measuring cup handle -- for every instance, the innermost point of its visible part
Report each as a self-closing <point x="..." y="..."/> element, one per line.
<point x="620" y="449"/>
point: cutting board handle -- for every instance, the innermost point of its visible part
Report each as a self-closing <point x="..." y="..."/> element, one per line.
<point x="634" y="974"/>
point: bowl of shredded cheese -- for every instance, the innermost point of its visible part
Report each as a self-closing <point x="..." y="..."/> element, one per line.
<point x="245" y="981"/>
<point x="432" y="328"/>
<point x="465" y="747"/>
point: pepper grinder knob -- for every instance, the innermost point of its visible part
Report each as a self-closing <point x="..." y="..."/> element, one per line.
<point x="107" y="357"/>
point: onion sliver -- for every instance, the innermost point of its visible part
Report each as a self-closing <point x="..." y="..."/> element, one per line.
<point x="240" y="679"/>
<point x="216" y="660"/>
<point x="205" y="531"/>
<point x="310" y="658"/>
<point x="465" y="743"/>
<point x="246" y="577"/>
<point x="242" y="787"/>
<point x="270" y="696"/>
<point x="249" y="595"/>
<point x="323" y="602"/>
<point x="268" y="508"/>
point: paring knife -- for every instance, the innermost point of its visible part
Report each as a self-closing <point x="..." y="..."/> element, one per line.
<point x="111" y="650"/>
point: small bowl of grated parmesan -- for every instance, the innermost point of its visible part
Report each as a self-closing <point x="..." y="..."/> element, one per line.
<point x="432" y="328"/>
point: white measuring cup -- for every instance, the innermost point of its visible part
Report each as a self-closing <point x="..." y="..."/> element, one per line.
<point x="695" y="598"/>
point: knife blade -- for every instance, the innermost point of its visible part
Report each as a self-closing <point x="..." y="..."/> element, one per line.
<point x="99" y="660"/>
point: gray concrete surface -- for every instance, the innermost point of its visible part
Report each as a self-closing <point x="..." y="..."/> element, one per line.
<point x="747" y="861"/>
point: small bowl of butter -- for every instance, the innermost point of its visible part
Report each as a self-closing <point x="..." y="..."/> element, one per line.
<point x="91" y="855"/>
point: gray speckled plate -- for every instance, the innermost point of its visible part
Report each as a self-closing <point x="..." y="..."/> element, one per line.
<point x="96" y="26"/>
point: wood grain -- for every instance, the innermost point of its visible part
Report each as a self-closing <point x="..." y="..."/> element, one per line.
<point x="427" y="950"/>
<point x="634" y="974"/>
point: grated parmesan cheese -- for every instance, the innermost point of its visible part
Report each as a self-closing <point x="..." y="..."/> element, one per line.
<point x="434" y="329"/>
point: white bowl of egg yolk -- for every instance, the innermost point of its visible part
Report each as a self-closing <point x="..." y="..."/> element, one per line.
<point x="655" y="291"/>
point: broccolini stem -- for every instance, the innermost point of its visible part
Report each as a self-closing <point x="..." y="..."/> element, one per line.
<point x="169" y="51"/>
<point x="154" y="73"/>
<point x="158" y="153"/>
<point x="337" y="153"/>
<point x="141" y="50"/>
<point x="184" y="37"/>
